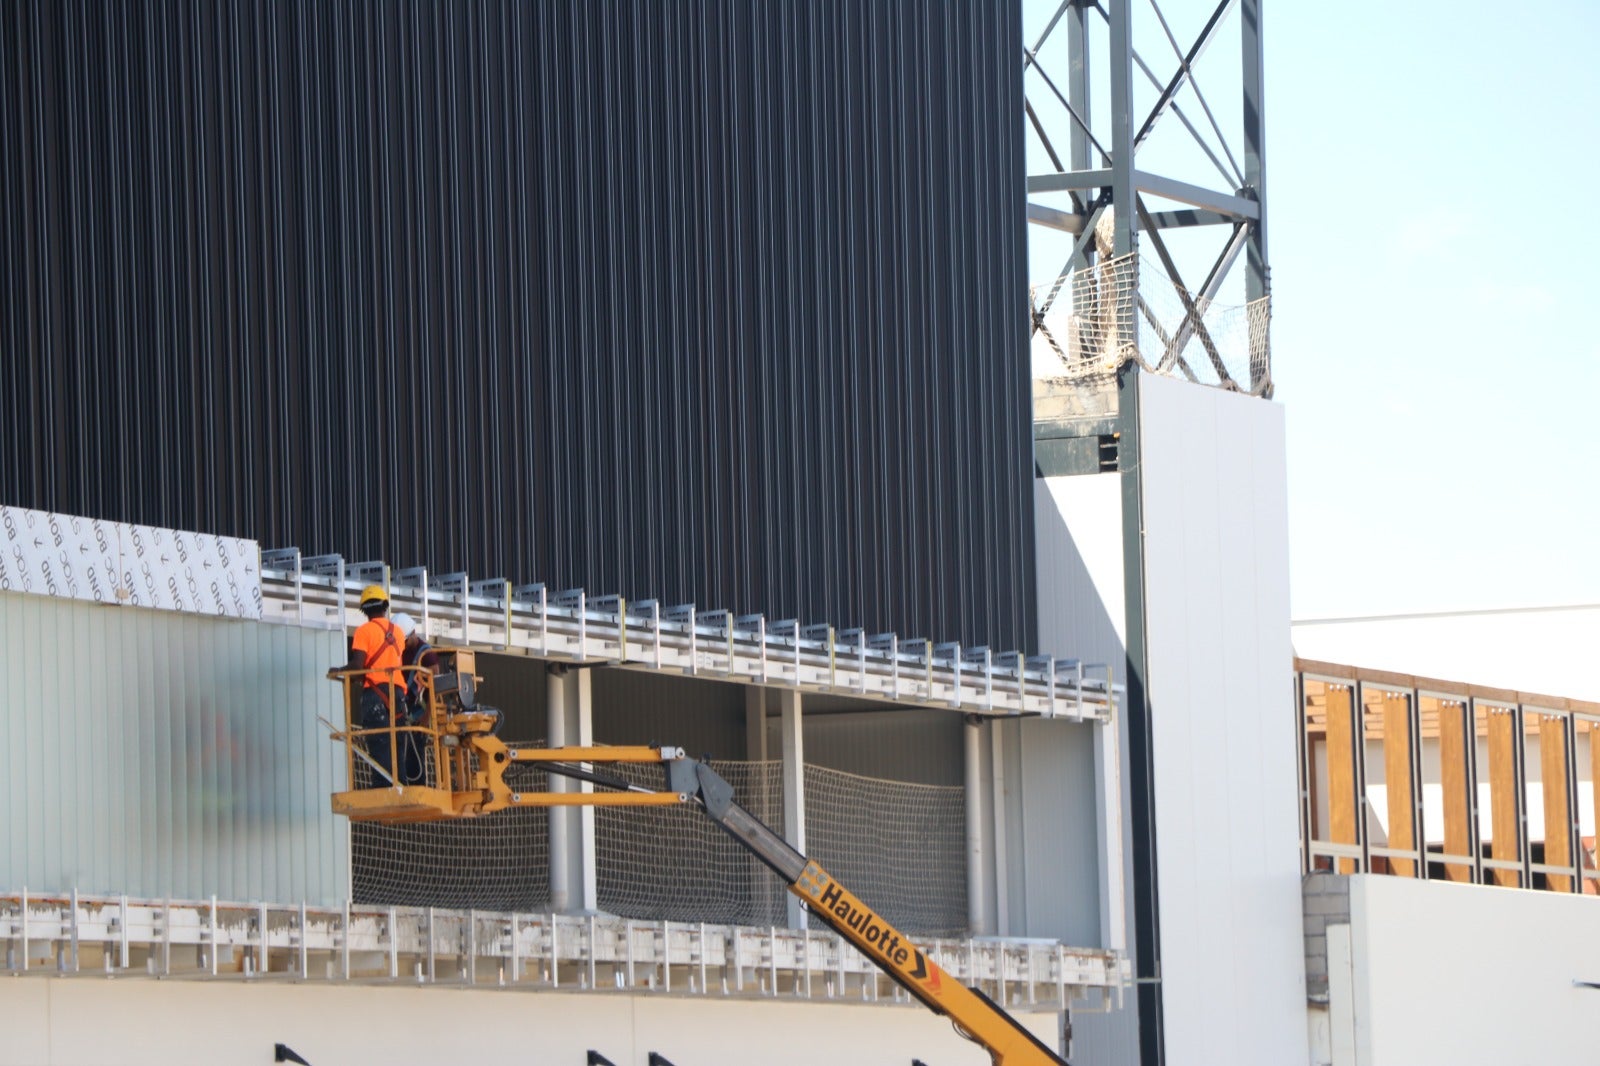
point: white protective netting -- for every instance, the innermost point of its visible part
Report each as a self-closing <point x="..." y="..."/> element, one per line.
<point x="900" y="847"/>
<point x="676" y="864"/>
<point x="1076" y="338"/>
<point x="499" y="862"/>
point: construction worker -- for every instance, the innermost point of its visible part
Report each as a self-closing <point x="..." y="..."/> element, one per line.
<point x="417" y="652"/>
<point x="378" y="648"/>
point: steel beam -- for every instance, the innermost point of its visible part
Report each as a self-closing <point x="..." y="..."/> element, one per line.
<point x="1226" y="204"/>
<point x="1055" y="218"/>
<point x="1141" y="754"/>
<point x="1078" y="93"/>
<point x="1197" y="196"/>
<point x="1258" y="278"/>
<point x="1185" y="217"/>
<point x="1073" y="223"/>
<point x="1182" y="75"/>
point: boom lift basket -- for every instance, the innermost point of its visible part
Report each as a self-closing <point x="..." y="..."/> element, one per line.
<point x="445" y="761"/>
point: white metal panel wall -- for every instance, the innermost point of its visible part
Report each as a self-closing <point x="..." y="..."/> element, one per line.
<point x="920" y="746"/>
<point x="159" y="754"/>
<point x="1081" y="613"/>
<point x="1078" y="524"/>
<point x="1432" y="967"/>
<point x="1052" y="878"/>
<point x="85" y="1022"/>
<point x="702" y="716"/>
<point x="1220" y="689"/>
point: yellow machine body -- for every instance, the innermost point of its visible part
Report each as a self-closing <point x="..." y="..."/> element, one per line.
<point x="463" y="763"/>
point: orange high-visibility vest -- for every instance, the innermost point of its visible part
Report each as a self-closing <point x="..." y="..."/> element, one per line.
<point x="380" y="643"/>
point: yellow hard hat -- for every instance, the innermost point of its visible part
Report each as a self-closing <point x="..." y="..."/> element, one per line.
<point x="374" y="594"/>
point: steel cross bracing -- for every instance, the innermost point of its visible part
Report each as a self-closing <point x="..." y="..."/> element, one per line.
<point x="99" y="936"/>
<point x="573" y="626"/>
<point x="1089" y="148"/>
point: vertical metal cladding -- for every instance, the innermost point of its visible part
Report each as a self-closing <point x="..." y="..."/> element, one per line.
<point x="720" y="302"/>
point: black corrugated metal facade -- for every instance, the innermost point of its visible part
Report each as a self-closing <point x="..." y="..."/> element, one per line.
<point x="720" y="302"/>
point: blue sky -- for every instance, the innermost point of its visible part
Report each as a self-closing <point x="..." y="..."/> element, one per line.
<point x="1434" y="268"/>
<point x="1434" y="263"/>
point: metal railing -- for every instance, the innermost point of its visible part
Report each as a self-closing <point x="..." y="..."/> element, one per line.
<point x="573" y="626"/>
<point x="98" y="936"/>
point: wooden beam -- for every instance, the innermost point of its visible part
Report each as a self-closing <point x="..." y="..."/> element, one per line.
<point x="1442" y="686"/>
<point x="1589" y="885"/>
<point x="1341" y="773"/>
<point x="1553" y="782"/>
<point x="1398" y="783"/>
<point x="1501" y="725"/>
<point x="1453" y="779"/>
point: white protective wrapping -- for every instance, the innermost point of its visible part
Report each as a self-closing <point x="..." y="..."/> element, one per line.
<point x="51" y="554"/>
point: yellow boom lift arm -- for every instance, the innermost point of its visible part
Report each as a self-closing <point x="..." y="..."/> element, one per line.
<point x="467" y="777"/>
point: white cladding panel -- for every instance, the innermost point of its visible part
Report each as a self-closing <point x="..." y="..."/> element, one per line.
<point x="1078" y="523"/>
<point x="1078" y="541"/>
<point x="167" y="755"/>
<point x="137" y="566"/>
<point x="85" y="1022"/>
<point x="1220" y="688"/>
<point x="1443" y="972"/>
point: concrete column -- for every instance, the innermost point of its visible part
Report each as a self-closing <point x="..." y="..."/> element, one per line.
<point x="980" y="853"/>
<point x="794" y="788"/>
<point x="1108" y="820"/>
<point x="755" y="723"/>
<point x="560" y="690"/>
<point x="1001" y="735"/>
<point x="572" y="866"/>
<point x="582" y="724"/>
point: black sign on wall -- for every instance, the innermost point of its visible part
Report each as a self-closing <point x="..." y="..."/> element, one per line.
<point x="720" y="303"/>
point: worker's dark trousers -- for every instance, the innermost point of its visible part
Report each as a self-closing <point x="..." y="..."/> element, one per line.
<point x="375" y="715"/>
